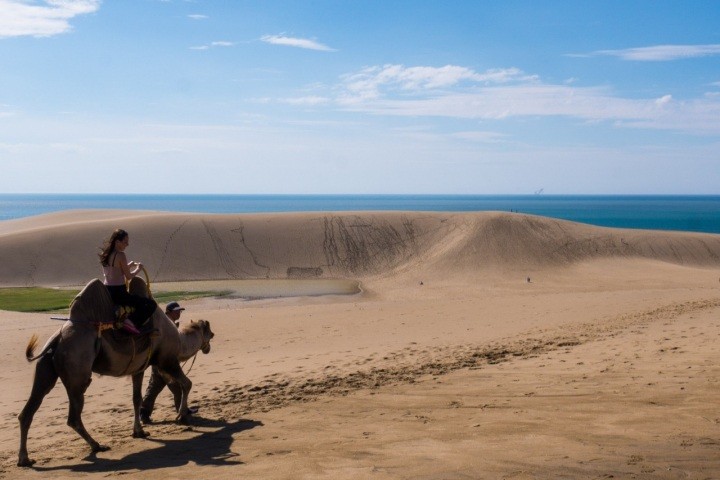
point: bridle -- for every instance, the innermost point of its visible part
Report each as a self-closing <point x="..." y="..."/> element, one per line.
<point x="204" y="347"/>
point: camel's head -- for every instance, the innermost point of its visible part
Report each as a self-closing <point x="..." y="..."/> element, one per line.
<point x="207" y="335"/>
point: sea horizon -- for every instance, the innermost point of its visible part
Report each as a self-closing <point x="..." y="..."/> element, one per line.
<point x="697" y="213"/>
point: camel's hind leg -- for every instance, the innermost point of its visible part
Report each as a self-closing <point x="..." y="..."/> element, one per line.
<point x="76" y="385"/>
<point x="43" y="383"/>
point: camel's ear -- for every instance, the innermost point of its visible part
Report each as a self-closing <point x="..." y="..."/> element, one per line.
<point x="205" y="325"/>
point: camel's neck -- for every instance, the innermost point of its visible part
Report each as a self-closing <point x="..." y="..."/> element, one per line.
<point x="190" y="343"/>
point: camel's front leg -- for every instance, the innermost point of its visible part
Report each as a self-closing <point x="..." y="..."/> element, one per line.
<point x="138" y="431"/>
<point x="175" y="376"/>
<point x="177" y="396"/>
<point x="155" y="386"/>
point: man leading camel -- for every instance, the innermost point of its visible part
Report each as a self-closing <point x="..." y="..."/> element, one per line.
<point x="173" y="310"/>
<point x="156" y="383"/>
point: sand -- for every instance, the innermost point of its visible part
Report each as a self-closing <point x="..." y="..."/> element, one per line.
<point x="448" y="364"/>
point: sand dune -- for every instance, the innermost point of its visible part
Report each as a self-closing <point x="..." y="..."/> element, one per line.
<point x="61" y="249"/>
<point x="449" y="364"/>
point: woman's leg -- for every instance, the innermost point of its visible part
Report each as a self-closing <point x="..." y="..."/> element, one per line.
<point x="119" y="296"/>
<point x="144" y="307"/>
<point x="117" y="293"/>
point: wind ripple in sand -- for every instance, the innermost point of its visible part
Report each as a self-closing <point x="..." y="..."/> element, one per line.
<point x="235" y="401"/>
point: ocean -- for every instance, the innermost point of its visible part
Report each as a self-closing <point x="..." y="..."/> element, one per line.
<point x="696" y="213"/>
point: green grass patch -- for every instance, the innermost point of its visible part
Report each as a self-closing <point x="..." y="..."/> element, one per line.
<point x="38" y="299"/>
<point x="35" y="299"/>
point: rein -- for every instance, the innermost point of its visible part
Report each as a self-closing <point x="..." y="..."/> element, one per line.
<point x="147" y="281"/>
<point x="192" y="364"/>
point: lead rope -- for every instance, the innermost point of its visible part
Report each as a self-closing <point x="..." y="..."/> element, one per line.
<point x="203" y="344"/>
<point x="191" y="365"/>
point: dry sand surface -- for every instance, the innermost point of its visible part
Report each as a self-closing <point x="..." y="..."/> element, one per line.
<point x="447" y="364"/>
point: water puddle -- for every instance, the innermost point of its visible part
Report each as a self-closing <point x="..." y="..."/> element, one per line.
<point x="269" y="288"/>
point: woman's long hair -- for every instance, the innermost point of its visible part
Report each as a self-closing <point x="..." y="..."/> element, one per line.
<point x="109" y="246"/>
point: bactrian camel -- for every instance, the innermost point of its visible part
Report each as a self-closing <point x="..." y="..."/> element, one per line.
<point x="82" y="347"/>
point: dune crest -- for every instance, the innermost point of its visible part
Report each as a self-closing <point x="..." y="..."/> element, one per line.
<point x="516" y="240"/>
<point x="61" y="249"/>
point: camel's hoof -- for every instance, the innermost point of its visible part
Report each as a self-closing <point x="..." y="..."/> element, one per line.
<point x="140" y="434"/>
<point x="26" y="462"/>
<point x="100" y="448"/>
<point x="183" y="419"/>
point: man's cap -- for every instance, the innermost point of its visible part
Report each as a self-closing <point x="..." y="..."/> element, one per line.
<point x="173" y="307"/>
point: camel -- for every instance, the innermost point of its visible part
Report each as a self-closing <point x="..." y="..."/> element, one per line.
<point x="190" y="345"/>
<point x="83" y="345"/>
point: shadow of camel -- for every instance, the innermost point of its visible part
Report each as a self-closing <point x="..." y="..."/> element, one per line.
<point x="208" y="448"/>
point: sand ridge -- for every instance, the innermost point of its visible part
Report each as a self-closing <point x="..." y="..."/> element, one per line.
<point x="61" y="248"/>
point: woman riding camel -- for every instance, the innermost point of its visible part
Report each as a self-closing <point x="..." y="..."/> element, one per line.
<point x="117" y="270"/>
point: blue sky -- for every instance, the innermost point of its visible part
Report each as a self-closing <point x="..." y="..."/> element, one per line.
<point x="472" y="97"/>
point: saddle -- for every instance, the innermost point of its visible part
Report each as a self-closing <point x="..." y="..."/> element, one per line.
<point x="95" y="306"/>
<point x="124" y="324"/>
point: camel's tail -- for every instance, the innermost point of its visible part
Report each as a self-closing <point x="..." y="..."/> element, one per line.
<point x="30" y="349"/>
<point x="32" y="344"/>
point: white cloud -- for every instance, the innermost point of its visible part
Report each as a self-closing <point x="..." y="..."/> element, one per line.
<point x="663" y="100"/>
<point x="661" y="53"/>
<point x="480" y="136"/>
<point x="44" y="19"/>
<point x="213" y="44"/>
<point x="306" y="101"/>
<point x="68" y="148"/>
<point x="5" y="112"/>
<point x="369" y="82"/>
<point x="197" y="17"/>
<point x="459" y="92"/>
<point x="296" y="42"/>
